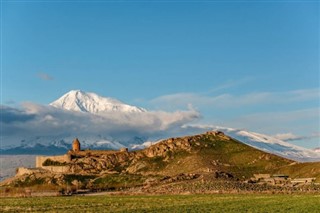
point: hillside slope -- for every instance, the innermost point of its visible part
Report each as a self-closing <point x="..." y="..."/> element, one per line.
<point x="206" y="153"/>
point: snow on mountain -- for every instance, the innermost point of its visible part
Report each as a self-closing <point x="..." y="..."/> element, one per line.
<point x="79" y="101"/>
<point x="60" y="144"/>
<point x="143" y="145"/>
<point x="272" y="145"/>
<point x="104" y="144"/>
<point x="317" y="149"/>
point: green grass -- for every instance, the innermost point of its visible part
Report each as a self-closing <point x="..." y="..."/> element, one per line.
<point x="165" y="203"/>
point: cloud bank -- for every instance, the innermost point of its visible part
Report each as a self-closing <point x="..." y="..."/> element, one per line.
<point x="34" y="120"/>
<point x="227" y="100"/>
<point x="292" y="137"/>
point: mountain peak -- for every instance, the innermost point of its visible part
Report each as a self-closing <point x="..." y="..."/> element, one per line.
<point x="80" y="101"/>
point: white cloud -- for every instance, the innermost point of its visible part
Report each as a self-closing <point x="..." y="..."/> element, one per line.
<point x="44" y="76"/>
<point x="229" y="84"/>
<point x="292" y="137"/>
<point x="228" y="100"/>
<point x="287" y="136"/>
<point x="38" y="120"/>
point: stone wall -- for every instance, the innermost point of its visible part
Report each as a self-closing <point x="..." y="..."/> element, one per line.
<point x="26" y="171"/>
<point x="57" y="169"/>
<point x="303" y="180"/>
<point x="54" y="169"/>
<point x="84" y="153"/>
<point x="60" y="158"/>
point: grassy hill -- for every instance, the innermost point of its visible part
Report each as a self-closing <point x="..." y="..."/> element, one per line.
<point x="206" y="153"/>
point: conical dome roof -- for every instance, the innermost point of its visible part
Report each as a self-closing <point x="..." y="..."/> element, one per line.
<point x="76" y="145"/>
<point x="76" y="141"/>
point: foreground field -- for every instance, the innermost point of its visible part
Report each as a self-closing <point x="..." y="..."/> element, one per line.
<point x="165" y="203"/>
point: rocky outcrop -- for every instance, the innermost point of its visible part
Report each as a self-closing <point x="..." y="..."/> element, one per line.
<point x="179" y="177"/>
<point x="221" y="174"/>
<point x="28" y="171"/>
<point x="182" y="144"/>
<point x="96" y="165"/>
<point x="170" y="145"/>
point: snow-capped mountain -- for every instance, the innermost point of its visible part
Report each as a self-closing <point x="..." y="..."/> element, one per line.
<point x="79" y="101"/>
<point x="317" y="149"/>
<point x="272" y="145"/>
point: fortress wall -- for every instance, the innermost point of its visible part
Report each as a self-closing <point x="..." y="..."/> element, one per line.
<point x="60" y="158"/>
<point x="84" y="153"/>
<point x="40" y="160"/>
<point x="99" y="152"/>
<point x="57" y="169"/>
<point x="23" y="171"/>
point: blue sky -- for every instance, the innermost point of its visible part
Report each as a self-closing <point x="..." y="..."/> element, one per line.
<point x="252" y="65"/>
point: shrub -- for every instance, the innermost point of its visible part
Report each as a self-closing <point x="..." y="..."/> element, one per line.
<point x="50" y="162"/>
<point x="82" y="178"/>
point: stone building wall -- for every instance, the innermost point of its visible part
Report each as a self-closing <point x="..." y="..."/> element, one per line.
<point x="60" y="158"/>
<point x="22" y="171"/>
<point x="57" y="169"/>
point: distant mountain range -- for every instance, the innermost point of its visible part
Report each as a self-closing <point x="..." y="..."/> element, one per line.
<point x="83" y="102"/>
<point x="61" y="144"/>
